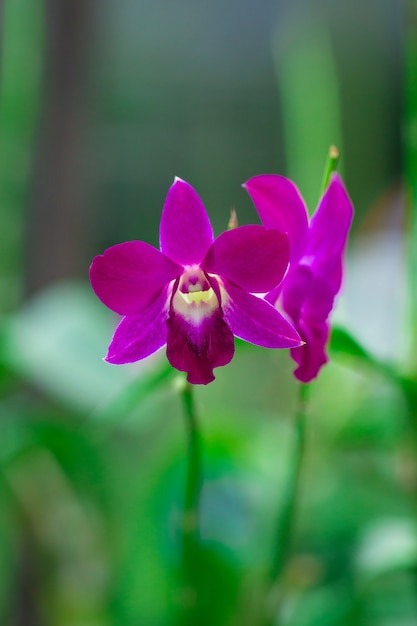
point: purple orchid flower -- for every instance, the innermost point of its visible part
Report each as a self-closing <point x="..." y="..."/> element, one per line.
<point x="314" y="278"/>
<point x="196" y="292"/>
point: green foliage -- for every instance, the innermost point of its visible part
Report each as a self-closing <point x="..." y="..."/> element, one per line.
<point x="95" y="481"/>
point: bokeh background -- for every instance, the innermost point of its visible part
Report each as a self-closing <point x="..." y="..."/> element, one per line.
<point x="102" y="103"/>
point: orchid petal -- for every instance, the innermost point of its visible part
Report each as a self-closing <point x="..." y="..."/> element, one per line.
<point x="280" y="205"/>
<point x="329" y="225"/>
<point x="128" y="276"/>
<point x="308" y="299"/>
<point x="198" y="348"/>
<point x="307" y="295"/>
<point x="324" y="290"/>
<point x="185" y="230"/>
<point x="296" y="290"/>
<point x="256" y="321"/>
<point x="252" y="257"/>
<point x="138" y="336"/>
<point x="312" y="356"/>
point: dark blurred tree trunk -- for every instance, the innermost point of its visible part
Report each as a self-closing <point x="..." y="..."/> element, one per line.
<point x="55" y="230"/>
<point x="55" y="234"/>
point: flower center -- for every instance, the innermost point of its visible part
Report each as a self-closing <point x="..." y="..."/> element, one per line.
<point x="194" y="299"/>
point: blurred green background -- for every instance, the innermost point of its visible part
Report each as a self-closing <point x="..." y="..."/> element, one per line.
<point x="102" y="104"/>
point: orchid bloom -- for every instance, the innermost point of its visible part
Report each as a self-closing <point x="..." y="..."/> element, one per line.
<point x="196" y="292"/>
<point x="314" y="278"/>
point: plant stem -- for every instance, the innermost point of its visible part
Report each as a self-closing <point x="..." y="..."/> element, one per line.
<point x="190" y="516"/>
<point x="287" y="518"/>
<point x="330" y="167"/>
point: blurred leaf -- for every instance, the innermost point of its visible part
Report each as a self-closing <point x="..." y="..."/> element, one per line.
<point x="326" y="605"/>
<point x="387" y="545"/>
<point x="69" y="536"/>
<point x="310" y="99"/>
<point x="57" y="342"/>
<point x="377" y="420"/>
<point x="342" y="342"/>
<point x="135" y="397"/>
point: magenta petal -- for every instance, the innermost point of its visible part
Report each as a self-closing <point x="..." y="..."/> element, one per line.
<point x="250" y="256"/>
<point x="185" y="230"/>
<point x="296" y="290"/>
<point x="280" y="205"/>
<point x="312" y="356"/>
<point x="128" y="276"/>
<point x="197" y="349"/>
<point x="138" y="336"/>
<point x="308" y="299"/>
<point x="257" y="321"/>
<point x="307" y="296"/>
<point x="319" y="304"/>
<point x="329" y="225"/>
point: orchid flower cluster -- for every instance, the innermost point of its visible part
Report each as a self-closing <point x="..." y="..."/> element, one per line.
<point x="272" y="285"/>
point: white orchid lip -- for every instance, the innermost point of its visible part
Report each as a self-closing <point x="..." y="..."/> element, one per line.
<point x="194" y="298"/>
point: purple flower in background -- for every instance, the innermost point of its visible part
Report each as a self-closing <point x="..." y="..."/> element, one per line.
<point x="314" y="277"/>
<point x="196" y="292"/>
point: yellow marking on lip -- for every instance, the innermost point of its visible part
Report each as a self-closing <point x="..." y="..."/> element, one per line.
<point x="196" y="306"/>
<point x="198" y="296"/>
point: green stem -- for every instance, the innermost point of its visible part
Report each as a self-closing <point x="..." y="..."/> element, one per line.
<point x="190" y="516"/>
<point x="287" y="519"/>
<point x="330" y="167"/>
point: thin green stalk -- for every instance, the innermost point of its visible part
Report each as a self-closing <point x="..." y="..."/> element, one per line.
<point x="287" y="519"/>
<point x="190" y="524"/>
<point x="288" y="513"/>
<point x="330" y="167"/>
<point x="286" y="522"/>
